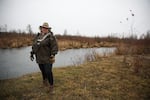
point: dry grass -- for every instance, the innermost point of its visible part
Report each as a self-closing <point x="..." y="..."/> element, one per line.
<point x="74" y="44"/>
<point x="15" y="40"/>
<point x="68" y="44"/>
<point x="136" y="47"/>
<point x="107" y="78"/>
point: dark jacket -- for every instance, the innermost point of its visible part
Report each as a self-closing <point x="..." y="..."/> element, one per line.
<point x="45" y="48"/>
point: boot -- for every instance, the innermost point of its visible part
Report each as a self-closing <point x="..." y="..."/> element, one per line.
<point x="51" y="88"/>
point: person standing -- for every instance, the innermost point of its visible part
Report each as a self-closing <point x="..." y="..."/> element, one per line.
<point x="45" y="47"/>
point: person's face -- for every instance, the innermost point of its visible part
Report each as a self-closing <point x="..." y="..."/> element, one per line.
<point x="44" y="30"/>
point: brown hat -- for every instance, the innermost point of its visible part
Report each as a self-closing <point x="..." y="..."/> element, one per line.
<point x="45" y="25"/>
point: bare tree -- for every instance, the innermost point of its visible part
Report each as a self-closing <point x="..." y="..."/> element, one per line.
<point x="29" y="29"/>
<point x="65" y="32"/>
<point x="3" y="28"/>
<point x="147" y="35"/>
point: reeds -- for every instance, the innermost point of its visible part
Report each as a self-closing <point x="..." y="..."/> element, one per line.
<point x="15" y="40"/>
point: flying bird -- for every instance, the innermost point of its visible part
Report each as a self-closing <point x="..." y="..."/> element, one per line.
<point x="132" y="14"/>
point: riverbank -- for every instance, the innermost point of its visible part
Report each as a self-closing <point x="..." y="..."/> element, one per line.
<point x="107" y="78"/>
<point x="17" y="40"/>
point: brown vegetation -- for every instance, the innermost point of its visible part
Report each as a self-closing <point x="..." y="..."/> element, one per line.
<point x="136" y="53"/>
<point x="68" y="42"/>
<point x="130" y="45"/>
<point x="15" y="40"/>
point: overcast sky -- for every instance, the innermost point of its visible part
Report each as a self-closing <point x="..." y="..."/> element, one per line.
<point x="86" y="17"/>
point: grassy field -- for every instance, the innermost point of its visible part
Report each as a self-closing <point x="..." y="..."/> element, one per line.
<point x="106" y="78"/>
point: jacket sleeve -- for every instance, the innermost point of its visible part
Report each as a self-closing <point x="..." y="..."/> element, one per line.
<point x="53" y="45"/>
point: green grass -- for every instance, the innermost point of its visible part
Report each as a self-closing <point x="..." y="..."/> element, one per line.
<point x="107" y="78"/>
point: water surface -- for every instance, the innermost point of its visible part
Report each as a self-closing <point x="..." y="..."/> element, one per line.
<point x="16" y="62"/>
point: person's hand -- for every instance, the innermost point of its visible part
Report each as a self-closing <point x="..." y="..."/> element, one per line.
<point x="31" y="56"/>
<point x="52" y="59"/>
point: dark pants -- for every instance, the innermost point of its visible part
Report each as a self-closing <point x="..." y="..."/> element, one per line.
<point x="46" y="70"/>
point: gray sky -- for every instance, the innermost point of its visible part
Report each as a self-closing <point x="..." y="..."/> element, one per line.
<point x="88" y="17"/>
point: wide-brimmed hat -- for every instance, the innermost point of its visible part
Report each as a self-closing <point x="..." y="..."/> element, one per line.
<point x="45" y="25"/>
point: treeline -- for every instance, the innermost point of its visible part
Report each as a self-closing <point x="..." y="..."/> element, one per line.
<point x="130" y="39"/>
<point x="143" y="39"/>
<point x="15" y="39"/>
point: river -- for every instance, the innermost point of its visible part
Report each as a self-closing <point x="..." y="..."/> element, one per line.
<point x="16" y="62"/>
